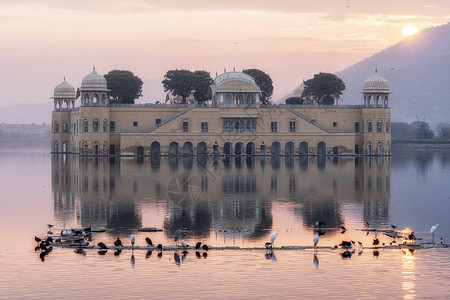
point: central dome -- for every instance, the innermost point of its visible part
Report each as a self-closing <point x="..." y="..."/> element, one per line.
<point x="298" y="91"/>
<point x="376" y="84"/>
<point x="64" y="90"/>
<point x="94" y="81"/>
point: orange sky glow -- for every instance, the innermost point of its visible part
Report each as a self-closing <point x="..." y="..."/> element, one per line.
<point x="43" y="41"/>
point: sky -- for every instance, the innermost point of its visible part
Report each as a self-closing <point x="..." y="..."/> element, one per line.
<point x="44" y="41"/>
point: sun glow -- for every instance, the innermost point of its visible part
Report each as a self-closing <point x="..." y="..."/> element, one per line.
<point x="409" y="29"/>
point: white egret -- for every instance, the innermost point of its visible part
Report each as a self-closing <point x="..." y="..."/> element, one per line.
<point x="132" y="239"/>
<point x="433" y="230"/>
<point x="273" y="237"/>
<point x="183" y="244"/>
<point x="316" y="239"/>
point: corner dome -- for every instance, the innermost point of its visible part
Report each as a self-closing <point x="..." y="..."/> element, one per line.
<point x="64" y="90"/>
<point x="94" y="81"/>
<point x="376" y="84"/>
<point x="298" y="91"/>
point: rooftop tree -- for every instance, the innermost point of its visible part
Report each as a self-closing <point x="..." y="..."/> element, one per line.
<point x="324" y="87"/>
<point x="124" y="85"/>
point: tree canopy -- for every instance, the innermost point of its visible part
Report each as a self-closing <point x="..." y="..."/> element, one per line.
<point x="324" y="87"/>
<point x="124" y="85"/>
<point x="423" y="131"/>
<point x="184" y="82"/>
<point x="264" y="82"/>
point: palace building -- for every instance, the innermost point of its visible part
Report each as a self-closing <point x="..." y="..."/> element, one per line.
<point x="234" y="123"/>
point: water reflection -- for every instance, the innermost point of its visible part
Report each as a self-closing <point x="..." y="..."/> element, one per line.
<point x="231" y="197"/>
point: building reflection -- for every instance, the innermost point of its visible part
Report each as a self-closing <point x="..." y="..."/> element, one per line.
<point x="231" y="197"/>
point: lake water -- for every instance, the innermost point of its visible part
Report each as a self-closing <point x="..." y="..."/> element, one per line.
<point x="224" y="202"/>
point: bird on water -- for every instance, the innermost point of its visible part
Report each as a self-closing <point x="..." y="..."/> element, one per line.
<point x="102" y="245"/>
<point x="148" y="241"/>
<point x="197" y="246"/>
<point x="132" y="240"/>
<point x="273" y="237"/>
<point x="183" y="244"/>
<point x="118" y="243"/>
<point x="316" y="240"/>
<point x="433" y="230"/>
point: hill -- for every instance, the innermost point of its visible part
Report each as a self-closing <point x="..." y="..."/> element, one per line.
<point x="418" y="71"/>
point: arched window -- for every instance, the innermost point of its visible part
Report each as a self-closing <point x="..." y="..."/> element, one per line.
<point x="85" y="125"/>
<point x="95" y="125"/>
<point x="321" y="148"/>
<point x="56" y="128"/>
<point x="228" y="100"/>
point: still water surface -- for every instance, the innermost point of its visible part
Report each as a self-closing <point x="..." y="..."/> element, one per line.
<point x="224" y="202"/>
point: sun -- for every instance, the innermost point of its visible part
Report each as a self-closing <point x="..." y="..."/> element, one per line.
<point x="409" y="29"/>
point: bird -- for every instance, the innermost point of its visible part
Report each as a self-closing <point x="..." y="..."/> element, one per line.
<point x="49" y="226"/>
<point x="367" y="224"/>
<point x="347" y="254"/>
<point x="102" y="245"/>
<point x="433" y="230"/>
<point x="205" y="247"/>
<point x="376" y="242"/>
<point x="50" y="239"/>
<point x="159" y="247"/>
<point x="343" y="228"/>
<point x="393" y="226"/>
<point x="42" y="245"/>
<point x="273" y="237"/>
<point x="346" y="244"/>
<point x="316" y="240"/>
<point x="176" y="235"/>
<point x="183" y="244"/>
<point x="149" y="241"/>
<point x="197" y="246"/>
<point x="268" y="245"/>
<point x="360" y="244"/>
<point x="64" y="233"/>
<point x="38" y="240"/>
<point x="132" y="239"/>
<point x="118" y="243"/>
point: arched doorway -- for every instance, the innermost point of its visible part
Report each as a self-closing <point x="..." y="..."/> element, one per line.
<point x="380" y="148"/>
<point x="140" y="151"/>
<point x="289" y="148"/>
<point x="263" y="150"/>
<point x="336" y="150"/>
<point x="303" y="149"/>
<point x="188" y="148"/>
<point x="174" y="148"/>
<point x="228" y="148"/>
<point x="276" y="148"/>
<point x="321" y="148"/>
<point x="250" y="148"/>
<point x="239" y="150"/>
<point x="105" y="148"/>
<point x="202" y="148"/>
<point x="85" y="148"/>
<point x="369" y="149"/>
<point x="155" y="148"/>
<point x="56" y="147"/>
<point x="387" y="149"/>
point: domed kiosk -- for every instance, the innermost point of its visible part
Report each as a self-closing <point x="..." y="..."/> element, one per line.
<point x="376" y="91"/>
<point x="64" y="96"/>
<point x="235" y="89"/>
<point x="93" y="90"/>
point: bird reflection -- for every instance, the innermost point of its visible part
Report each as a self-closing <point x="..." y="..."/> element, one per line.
<point x="271" y="255"/>
<point x="376" y="253"/>
<point x="132" y="261"/>
<point x="183" y="258"/>
<point x="316" y="261"/>
<point x="102" y="252"/>
<point x="347" y="254"/>
<point x="198" y="255"/>
<point x="80" y="251"/>
<point x="117" y="252"/>
<point x="205" y="255"/>
<point x="176" y="258"/>
<point x="148" y="254"/>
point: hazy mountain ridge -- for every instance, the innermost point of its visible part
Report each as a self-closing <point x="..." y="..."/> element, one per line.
<point x="418" y="71"/>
